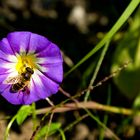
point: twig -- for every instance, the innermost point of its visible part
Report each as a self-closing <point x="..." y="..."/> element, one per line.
<point x="88" y="105"/>
<point x="49" y="124"/>
<point x="68" y="95"/>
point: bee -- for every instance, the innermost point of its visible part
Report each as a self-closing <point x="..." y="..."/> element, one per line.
<point x="21" y="81"/>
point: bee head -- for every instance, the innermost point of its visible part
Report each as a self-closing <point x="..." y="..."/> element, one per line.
<point x="28" y="69"/>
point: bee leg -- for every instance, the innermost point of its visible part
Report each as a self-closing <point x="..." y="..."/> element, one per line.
<point x="24" y="89"/>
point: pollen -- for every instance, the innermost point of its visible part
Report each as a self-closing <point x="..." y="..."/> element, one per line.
<point x="24" y="61"/>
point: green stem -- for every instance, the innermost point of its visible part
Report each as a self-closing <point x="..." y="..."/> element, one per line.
<point x="101" y="124"/>
<point x="8" y="127"/>
<point x="126" y="14"/>
<point x="101" y="137"/>
<point x="62" y="134"/>
<point x="97" y="68"/>
<point x="34" y="119"/>
<point x="68" y="127"/>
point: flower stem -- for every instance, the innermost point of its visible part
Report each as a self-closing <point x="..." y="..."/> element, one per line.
<point x="8" y="127"/>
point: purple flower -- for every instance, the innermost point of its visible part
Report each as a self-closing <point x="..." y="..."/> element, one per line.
<point x="30" y="67"/>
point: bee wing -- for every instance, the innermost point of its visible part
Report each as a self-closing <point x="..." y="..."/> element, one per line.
<point x="12" y="80"/>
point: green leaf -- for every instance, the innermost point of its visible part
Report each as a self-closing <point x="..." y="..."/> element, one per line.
<point x="52" y="129"/>
<point x="22" y="114"/>
<point x="128" y="81"/>
<point x="136" y="104"/>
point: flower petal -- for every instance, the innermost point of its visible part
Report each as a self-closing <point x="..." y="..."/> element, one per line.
<point x="53" y="71"/>
<point x="51" y="53"/>
<point x="30" y="97"/>
<point x="6" y="67"/>
<point x="38" y="43"/>
<point x="13" y="98"/>
<point x="2" y="78"/>
<point x="51" y="63"/>
<point x="5" y="47"/>
<point x="42" y="86"/>
<point x="19" y="41"/>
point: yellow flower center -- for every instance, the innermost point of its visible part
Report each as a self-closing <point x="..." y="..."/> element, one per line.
<point x="26" y="61"/>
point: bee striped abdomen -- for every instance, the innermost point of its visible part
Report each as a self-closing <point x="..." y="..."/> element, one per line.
<point x="16" y="87"/>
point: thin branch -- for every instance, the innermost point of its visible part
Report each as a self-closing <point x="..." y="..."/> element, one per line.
<point x="88" y="105"/>
<point x="49" y="124"/>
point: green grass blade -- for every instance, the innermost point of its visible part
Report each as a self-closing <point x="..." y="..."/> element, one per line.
<point x="97" y="68"/>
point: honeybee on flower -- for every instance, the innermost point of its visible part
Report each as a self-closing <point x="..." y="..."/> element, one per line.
<point x="31" y="67"/>
<point x="20" y="82"/>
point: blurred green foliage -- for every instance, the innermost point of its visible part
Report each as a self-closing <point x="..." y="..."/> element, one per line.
<point x="128" y="49"/>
